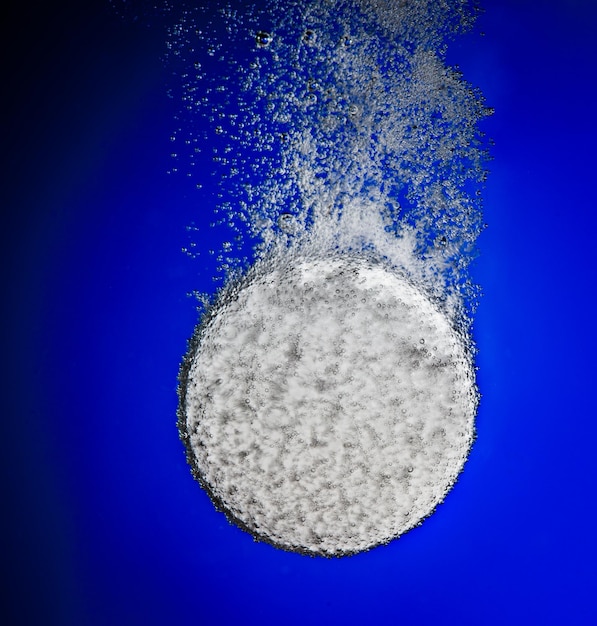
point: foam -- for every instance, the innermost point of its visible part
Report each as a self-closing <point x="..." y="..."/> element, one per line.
<point x="327" y="405"/>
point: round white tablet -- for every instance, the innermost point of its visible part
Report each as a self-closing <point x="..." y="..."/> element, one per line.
<point x="327" y="404"/>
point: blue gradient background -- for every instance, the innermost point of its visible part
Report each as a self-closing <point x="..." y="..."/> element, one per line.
<point x="102" y="523"/>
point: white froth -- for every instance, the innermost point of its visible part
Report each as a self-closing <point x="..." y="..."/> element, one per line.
<point x="329" y="405"/>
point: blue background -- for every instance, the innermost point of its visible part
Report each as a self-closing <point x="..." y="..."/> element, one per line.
<point x="102" y="522"/>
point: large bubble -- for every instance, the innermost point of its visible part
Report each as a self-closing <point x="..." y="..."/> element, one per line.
<point x="328" y="397"/>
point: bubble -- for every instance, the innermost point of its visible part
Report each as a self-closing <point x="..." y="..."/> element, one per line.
<point x="309" y="37"/>
<point x="310" y="99"/>
<point x="263" y="39"/>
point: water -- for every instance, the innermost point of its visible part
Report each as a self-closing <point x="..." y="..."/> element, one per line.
<point x="350" y="162"/>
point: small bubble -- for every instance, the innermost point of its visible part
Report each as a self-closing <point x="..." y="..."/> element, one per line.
<point x="310" y="99"/>
<point x="313" y="85"/>
<point x="309" y="37"/>
<point x="353" y="109"/>
<point x="263" y="39"/>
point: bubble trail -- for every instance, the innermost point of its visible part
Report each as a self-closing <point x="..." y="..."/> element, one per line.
<point x="328" y="397"/>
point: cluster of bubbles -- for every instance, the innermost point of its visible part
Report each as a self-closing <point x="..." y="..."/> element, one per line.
<point x="335" y="126"/>
<point x="327" y="400"/>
